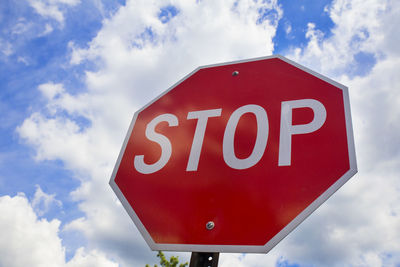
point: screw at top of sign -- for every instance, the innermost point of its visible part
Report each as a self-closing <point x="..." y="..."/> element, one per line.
<point x="210" y="225"/>
<point x="235" y="73"/>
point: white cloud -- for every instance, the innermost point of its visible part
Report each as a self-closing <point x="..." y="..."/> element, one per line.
<point x="47" y="29"/>
<point x="21" y="27"/>
<point x="254" y="260"/>
<point x="42" y="202"/>
<point x="23" y="60"/>
<point x="52" y="9"/>
<point x="24" y="234"/>
<point x="27" y="240"/>
<point x="50" y="90"/>
<point x="358" y="28"/>
<point x="47" y="135"/>
<point x="6" y="48"/>
<point x="288" y="29"/>
<point x="93" y="258"/>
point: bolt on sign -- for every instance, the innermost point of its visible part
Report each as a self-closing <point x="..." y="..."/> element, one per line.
<point x="235" y="155"/>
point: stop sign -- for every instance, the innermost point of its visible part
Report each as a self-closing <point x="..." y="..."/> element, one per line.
<point x="235" y="155"/>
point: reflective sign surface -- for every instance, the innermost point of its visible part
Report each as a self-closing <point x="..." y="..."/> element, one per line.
<point x="252" y="147"/>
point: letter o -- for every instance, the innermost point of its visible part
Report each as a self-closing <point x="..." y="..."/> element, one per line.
<point x="261" y="141"/>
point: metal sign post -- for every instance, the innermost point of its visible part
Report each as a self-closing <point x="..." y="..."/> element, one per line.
<point x="204" y="259"/>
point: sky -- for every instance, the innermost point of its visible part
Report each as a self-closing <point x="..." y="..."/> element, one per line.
<point x="73" y="72"/>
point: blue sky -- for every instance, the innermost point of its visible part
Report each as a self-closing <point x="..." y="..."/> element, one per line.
<point x="73" y="72"/>
<point x="37" y="58"/>
<point x="292" y="27"/>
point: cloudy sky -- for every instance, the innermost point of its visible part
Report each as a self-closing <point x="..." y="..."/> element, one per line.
<point x="73" y="72"/>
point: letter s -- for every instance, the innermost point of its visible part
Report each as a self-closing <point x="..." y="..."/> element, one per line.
<point x="163" y="141"/>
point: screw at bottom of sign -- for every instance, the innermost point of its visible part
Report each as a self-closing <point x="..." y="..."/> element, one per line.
<point x="210" y="225"/>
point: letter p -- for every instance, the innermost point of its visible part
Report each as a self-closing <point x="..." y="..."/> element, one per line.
<point x="288" y="129"/>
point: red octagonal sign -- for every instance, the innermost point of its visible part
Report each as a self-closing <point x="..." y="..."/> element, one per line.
<point x="235" y="155"/>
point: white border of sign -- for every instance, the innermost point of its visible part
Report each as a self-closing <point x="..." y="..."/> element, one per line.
<point x="293" y="224"/>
